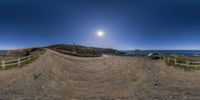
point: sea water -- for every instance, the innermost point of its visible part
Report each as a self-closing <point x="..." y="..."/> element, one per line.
<point x="2" y="52"/>
<point x="167" y="52"/>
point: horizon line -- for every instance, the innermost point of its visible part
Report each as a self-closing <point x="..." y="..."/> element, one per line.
<point x="96" y="47"/>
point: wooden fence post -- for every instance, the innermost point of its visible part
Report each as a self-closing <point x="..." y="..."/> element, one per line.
<point x="29" y="58"/>
<point x="187" y="64"/>
<point x="3" y="63"/>
<point x="175" y="62"/>
<point x="168" y="60"/>
<point x="18" y="61"/>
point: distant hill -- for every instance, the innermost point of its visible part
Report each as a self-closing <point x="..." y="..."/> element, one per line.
<point x="78" y="50"/>
<point x="75" y="50"/>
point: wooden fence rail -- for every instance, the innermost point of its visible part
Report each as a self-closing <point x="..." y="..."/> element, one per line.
<point x="17" y="62"/>
<point x="188" y="63"/>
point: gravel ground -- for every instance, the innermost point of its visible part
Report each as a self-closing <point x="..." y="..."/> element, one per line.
<point x="56" y="76"/>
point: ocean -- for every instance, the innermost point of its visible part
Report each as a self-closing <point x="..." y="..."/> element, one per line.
<point x="167" y="52"/>
<point x="2" y="52"/>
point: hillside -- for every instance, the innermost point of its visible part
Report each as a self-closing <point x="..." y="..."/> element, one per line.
<point x="19" y="53"/>
<point x="83" y="51"/>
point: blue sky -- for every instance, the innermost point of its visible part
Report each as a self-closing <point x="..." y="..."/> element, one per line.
<point x="128" y="24"/>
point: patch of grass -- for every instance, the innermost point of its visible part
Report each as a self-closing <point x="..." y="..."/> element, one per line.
<point x="171" y="63"/>
<point x="183" y="60"/>
<point x="16" y="66"/>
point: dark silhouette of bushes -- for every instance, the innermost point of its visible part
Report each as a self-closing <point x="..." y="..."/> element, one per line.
<point x="82" y="51"/>
<point x="76" y="50"/>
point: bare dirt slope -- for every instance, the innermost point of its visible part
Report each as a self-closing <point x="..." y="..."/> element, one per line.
<point x="56" y="76"/>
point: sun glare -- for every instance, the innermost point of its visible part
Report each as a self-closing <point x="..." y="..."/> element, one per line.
<point x="100" y="33"/>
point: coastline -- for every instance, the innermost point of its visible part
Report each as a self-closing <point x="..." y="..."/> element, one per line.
<point x="189" y="53"/>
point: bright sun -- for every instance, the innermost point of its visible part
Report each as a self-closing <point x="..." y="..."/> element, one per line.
<point x="100" y="33"/>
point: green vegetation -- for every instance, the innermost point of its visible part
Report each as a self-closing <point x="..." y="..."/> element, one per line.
<point x="181" y="62"/>
<point x="76" y="50"/>
<point x="14" y="54"/>
<point x="155" y="57"/>
<point x="25" y="56"/>
<point x="23" y="63"/>
<point x="187" y="63"/>
<point x="82" y="51"/>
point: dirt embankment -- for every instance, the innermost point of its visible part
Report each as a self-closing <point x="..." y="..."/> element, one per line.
<point x="55" y="76"/>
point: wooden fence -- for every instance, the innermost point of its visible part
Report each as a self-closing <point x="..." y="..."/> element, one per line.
<point x="188" y="63"/>
<point x="17" y="62"/>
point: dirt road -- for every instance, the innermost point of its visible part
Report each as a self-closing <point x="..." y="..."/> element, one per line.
<point x="56" y="76"/>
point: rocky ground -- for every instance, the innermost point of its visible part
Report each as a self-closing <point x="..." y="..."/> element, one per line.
<point x="56" y="76"/>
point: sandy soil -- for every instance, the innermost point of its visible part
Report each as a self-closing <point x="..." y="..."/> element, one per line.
<point x="55" y="76"/>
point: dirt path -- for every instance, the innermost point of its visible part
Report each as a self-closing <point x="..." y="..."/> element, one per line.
<point x="56" y="76"/>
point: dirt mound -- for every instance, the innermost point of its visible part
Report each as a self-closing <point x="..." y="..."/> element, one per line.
<point x="56" y="76"/>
